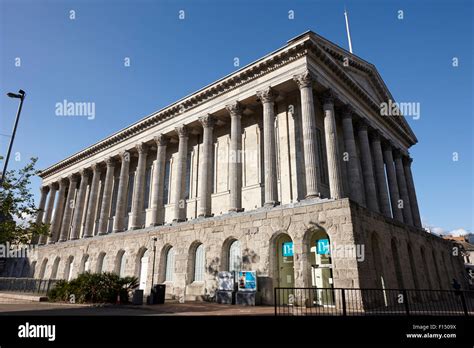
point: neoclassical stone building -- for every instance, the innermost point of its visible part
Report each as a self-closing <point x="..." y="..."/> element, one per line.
<point x="259" y="170"/>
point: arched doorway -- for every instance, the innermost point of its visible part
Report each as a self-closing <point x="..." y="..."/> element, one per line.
<point x="319" y="266"/>
<point x="100" y="263"/>
<point x="142" y="265"/>
<point x="285" y="261"/>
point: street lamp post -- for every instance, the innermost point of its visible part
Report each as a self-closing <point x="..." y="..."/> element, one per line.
<point x="20" y="95"/>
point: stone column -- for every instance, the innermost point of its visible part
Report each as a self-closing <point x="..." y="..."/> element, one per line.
<point x="205" y="162"/>
<point x="412" y="192"/>
<point x="392" y="181"/>
<point x="93" y="197"/>
<point x="39" y="217"/>
<point x="69" y="206"/>
<point x="402" y="186"/>
<point x="380" y="174"/>
<point x="267" y="97"/>
<point x="367" y="168"/>
<point x="122" y="194"/>
<point x="308" y="121"/>
<point x="355" y="180"/>
<point x="157" y="216"/>
<point x="139" y="188"/>
<point x="58" y="213"/>
<point x="49" y="210"/>
<point x="334" y="163"/>
<point x="107" y="196"/>
<point x="180" y="200"/>
<point x="79" y="205"/>
<point x="235" y="160"/>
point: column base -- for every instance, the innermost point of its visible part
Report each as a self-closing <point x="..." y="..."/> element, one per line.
<point x="155" y="224"/>
<point x="271" y="204"/>
<point x="313" y="195"/>
<point x="205" y="215"/>
<point x="136" y="228"/>
<point x="73" y="238"/>
<point x="236" y="210"/>
<point x="101" y="233"/>
<point x="118" y="231"/>
<point x="179" y="220"/>
<point x="88" y="236"/>
<point x="62" y="240"/>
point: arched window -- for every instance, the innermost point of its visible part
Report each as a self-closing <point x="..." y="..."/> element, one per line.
<point x="426" y="269"/>
<point x="396" y="262"/>
<point x="54" y="271"/>
<point x="43" y="269"/>
<point x="120" y="263"/>
<point x="199" y="264"/>
<point x="100" y="263"/>
<point x="69" y="268"/>
<point x="235" y="257"/>
<point x="169" y="273"/>
<point x="84" y="264"/>
<point x="412" y="267"/>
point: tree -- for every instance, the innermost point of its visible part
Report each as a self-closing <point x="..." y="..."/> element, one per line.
<point x="17" y="207"/>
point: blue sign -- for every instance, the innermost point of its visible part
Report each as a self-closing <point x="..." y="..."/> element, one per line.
<point x="247" y="281"/>
<point x="288" y="249"/>
<point x="323" y="247"/>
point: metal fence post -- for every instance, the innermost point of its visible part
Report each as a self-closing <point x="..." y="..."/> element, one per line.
<point x="405" y="301"/>
<point x="463" y="301"/>
<point x="275" y="300"/>
<point x="343" y="299"/>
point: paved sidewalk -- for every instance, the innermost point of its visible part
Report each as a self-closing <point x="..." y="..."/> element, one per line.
<point x="170" y="308"/>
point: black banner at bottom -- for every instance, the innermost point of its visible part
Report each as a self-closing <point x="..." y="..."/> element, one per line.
<point x="238" y="330"/>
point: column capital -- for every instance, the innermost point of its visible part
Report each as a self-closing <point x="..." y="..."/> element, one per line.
<point x="63" y="182"/>
<point x="44" y="189"/>
<point x="235" y="109"/>
<point x="54" y="186"/>
<point x="96" y="168"/>
<point x="161" y="139"/>
<point x="182" y="131"/>
<point x="207" y="121"/>
<point x="407" y="160"/>
<point x="124" y="156"/>
<point x="347" y="111"/>
<point x="85" y="173"/>
<point x="73" y="178"/>
<point x="374" y="135"/>
<point x="110" y="162"/>
<point x="362" y="125"/>
<point x="328" y="97"/>
<point x="397" y="153"/>
<point x="267" y="95"/>
<point x="304" y="79"/>
<point x="142" y="148"/>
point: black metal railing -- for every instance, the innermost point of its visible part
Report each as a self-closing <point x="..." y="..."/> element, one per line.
<point x="27" y="285"/>
<point x="353" y="302"/>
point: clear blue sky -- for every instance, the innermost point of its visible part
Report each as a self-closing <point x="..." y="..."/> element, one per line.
<point x="82" y="60"/>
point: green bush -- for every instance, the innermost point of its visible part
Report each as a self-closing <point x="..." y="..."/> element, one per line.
<point x="94" y="288"/>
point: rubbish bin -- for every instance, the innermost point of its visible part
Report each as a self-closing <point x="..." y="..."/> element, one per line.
<point x="158" y="294"/>
<point x="137" y="298"/>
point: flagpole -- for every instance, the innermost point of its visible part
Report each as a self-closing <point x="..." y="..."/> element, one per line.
<point x="348" y="31"/>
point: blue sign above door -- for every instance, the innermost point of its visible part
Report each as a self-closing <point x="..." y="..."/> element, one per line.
<point x="323" y="247"/>
<point x="288" y="249"/>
